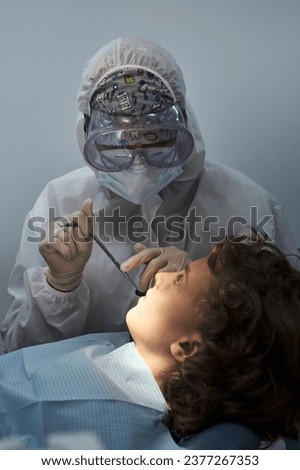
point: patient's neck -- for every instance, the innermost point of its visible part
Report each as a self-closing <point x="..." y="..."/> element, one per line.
<point x="159" y="364"/>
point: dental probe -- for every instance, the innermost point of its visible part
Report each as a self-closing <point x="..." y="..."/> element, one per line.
<point x="112" y="258"/>
<point x="116" y="263"/>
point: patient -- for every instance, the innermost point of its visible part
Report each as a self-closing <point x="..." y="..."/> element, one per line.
<point x="218" y="341"/>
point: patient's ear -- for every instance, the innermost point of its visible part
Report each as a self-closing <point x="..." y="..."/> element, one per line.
<point x="186" y="347"/>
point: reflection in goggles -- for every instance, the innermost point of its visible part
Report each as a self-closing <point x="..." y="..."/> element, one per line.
<point x="164" y="141"/>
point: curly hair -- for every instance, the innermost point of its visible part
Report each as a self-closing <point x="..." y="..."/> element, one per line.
<point x="248" y="368"/>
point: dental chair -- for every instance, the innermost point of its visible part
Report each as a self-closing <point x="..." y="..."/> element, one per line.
<point x="223" y="436"/>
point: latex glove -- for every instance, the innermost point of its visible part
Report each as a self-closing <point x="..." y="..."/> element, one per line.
<point x="67" y="248"/>
<point x="168" y="259"/>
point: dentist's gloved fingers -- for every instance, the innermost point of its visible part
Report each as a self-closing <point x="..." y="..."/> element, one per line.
<point x="84" y="220"/>
<point x="168" y="259"/>
<point x="175" y="267"/>
<point x="139" y="247"/>
<point x="171" y="259"/>
<point x="58" y="246"/>
<point x="69" y="237"/>
<point x="76" y="232"/>
<point x="66" y="240"/>
<point x="142" y="257"/>
<point x="175" y="260"/>
<point x="68" y="248"/>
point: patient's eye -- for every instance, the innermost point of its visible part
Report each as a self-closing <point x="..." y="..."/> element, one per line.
<point x="178" y="279"/>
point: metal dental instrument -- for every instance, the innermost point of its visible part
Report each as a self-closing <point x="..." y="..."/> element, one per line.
<point x="116" y="263"/>
<point x="112" y="258"/>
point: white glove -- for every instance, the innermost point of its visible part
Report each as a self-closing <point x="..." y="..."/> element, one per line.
<point x="168" y="259"/>
<point x="68" y="247"/>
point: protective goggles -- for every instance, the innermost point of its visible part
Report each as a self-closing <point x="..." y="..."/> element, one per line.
<point x="114" y="141"/>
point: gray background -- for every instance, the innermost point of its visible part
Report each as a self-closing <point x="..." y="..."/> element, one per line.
<point x="240" y="59"/>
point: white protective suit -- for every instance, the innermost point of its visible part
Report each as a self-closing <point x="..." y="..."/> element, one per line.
<point x="207" y="198"/>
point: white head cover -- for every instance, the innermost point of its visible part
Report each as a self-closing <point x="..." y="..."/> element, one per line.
<point x="147" y="55"/>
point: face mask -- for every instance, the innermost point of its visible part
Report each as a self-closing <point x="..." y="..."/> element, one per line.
<point x="139" y="182"/>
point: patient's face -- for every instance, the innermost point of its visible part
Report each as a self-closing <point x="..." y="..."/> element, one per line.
<point x="171" y="308"/>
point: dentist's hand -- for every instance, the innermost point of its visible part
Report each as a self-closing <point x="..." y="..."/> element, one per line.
<point x="68" y="247"/>
<point x="168" y="259"/>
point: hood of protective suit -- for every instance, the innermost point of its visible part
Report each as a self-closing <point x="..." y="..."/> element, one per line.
<point x="145" y="54"/>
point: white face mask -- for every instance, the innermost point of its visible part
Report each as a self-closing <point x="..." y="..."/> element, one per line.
<point x="139" y="182"/>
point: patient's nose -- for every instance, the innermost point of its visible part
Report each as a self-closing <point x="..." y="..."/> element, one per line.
<point x="156" y="280"/>
<point x="160" y="278"/>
